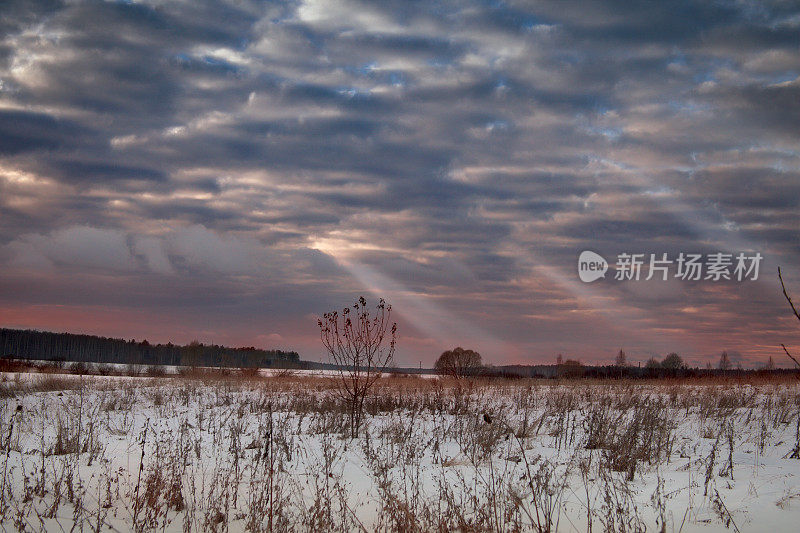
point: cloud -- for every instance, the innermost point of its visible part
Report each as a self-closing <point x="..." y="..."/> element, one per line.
<point x="74" y="247"/>
<point x="197" y="247"/>
<point x="191" y="250"/>
<point x="151" y="251"/>
<point x="467" y="151"/>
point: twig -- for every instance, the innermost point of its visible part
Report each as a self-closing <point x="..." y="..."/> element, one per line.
<point x="8" y="452"/>
<point x="727" y="512"/>
<point x="136" y="504"/>
<point x="790" y="355"/>
<point x="794" y="310"/>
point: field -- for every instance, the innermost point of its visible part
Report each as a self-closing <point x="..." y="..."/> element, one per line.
<point x="256" y="453"/>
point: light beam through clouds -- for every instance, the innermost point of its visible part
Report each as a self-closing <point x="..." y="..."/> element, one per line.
<point x="419" y="310"/>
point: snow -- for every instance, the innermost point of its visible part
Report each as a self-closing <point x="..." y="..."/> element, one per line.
<point x="426" y="453"/>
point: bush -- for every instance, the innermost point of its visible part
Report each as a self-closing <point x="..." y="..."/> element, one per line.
<point x="673" y="362"/>
<point x="155" y="371"/>
<point x="249" y="371"/>
<point x="79" y="368"/>
<point x="459" y="363"/>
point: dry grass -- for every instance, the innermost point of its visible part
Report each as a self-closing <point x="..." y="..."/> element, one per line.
<point x="209" y="451"/>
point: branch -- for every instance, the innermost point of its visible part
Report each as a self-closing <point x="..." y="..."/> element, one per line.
<point x="794" y="310"/>
<point x="790" y="356"/>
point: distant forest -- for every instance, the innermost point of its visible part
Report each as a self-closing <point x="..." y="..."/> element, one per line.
<point x="31" y="344"/>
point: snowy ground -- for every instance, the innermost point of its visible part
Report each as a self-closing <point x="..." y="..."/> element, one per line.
<point x="272" y="454"/>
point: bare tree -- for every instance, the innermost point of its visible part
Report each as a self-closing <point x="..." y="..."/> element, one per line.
<point x="725" y="361"/>
<point x="572" y="368"/>
<point x="459" y="363"/>
<point x="652" y="364"/>
<point x="355" y="343"/>
<point x="794" y="310"/>
<point x="192" y="355"/>
<point x="621" y="360"/>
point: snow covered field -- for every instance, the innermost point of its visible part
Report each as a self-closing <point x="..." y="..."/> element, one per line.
<point x="270" y="453"/>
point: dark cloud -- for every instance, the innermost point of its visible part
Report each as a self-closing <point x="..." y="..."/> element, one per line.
<point x="256" y="162"/>
<point x="25" y="131"/>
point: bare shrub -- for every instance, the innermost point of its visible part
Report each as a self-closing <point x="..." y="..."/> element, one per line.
<point x="356" y="346"/>
<point x="155" y="371"/>
<point x="249" y="372"/>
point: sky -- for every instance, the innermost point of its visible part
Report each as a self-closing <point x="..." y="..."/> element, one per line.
<point x="229" y="171"/>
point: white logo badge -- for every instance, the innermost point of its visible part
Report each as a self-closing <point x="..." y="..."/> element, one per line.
<point x="591" y="266"/>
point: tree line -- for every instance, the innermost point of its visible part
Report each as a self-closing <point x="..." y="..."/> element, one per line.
<point x="32" y="344"/>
